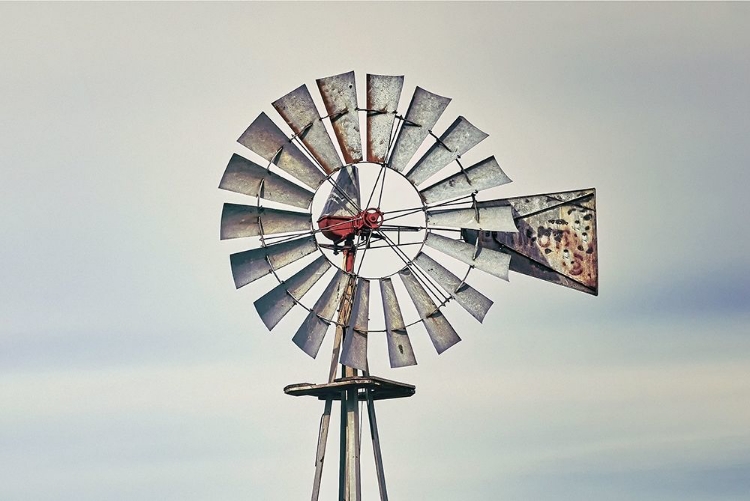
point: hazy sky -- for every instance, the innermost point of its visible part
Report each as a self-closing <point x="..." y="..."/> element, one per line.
<point x="131" y="368"/>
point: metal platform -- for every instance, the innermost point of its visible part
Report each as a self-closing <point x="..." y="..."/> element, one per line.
<point x="379" y="388"/>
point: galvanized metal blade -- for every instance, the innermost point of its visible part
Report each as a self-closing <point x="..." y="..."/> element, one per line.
<point x="460" y="137"/>
<point x="274" y="305"/>
<point x="480" y="176"/>
<point x="423" y="113"/>
<point x="441" y="332"/>
<point x="298" y="110"/>
<point x="251" y="265"/>
<point x="400" y="352"/>
<point x="310" y="334"/>
<point x="339" y="94"/>
<point x="239" y="221"/>
<point x="479" y="217"/>
<point x="383" y="93"/>
<point x="354" y="349"/>
<point x="266" y="139"/>
<point x="342" y="200"/>
<point x="473" y="301"/>
<point x="490" y="261"/>
<point x="556" y="239"/>
<point x="248" y="178"/>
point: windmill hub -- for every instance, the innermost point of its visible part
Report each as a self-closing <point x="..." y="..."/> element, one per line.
<point x="338" y="228"/>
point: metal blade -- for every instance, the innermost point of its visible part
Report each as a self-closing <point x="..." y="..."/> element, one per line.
<point x="340" y="200"/>
<point x="441" y="333"/>
<point x="354" y="349"/>
<point x="480" y="176"/>
<point x="491" y="261"/>
<point x="298" y="110"/>
<point x="400" y="351"/>
<point x="248" y="178"/>
<point x="251" y="265"/>
<point x="383" y="93"/>
<point x="423" y="113"/>
<point x="310" y="334"/>
<point x="480" y="217"/>
<point x="266" y="139"/>
<point x="471" y="299"/>
<point x="239" y="221"/>
<point x="281" y="299"/>
<point x="460" y="137"/>
<point x="339" y="94"/>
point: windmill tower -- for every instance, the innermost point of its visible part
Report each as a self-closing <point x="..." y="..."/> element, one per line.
<point x="381" y="216"/>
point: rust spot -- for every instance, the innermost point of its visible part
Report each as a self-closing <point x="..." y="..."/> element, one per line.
<point x="401" y="349"/>
<point x="548" y="251"/>
<point x="587" y="217"/>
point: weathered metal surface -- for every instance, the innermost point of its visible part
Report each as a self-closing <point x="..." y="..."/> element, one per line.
<point x="248" y="178"/>
<point x="490" y="261"/>
<point x="473" y="301"/>
<point x="480" y="176"/>
<point x="400" y="352"/>
<point x="341" y="202"/>
<point x="376" y="446"/>
<point x="310" y="334"/>
<point x="266" y="139"/>
<point x="274" y="305"/>
<point x="238" y="221"/>
<point x="556" y="241"/>
<point x="423" y="113"/>
<point x="298" y="110"/>
<point x="480" y="217"/>
<point x="253" y="264"/>
<point x="339" y="94"/>
<point x="460" y="137"/>
<point x="441" y="333"/>
<point x="354" y="349"/>
<point x="383" y="93"/>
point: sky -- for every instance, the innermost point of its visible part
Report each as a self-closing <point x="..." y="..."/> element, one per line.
<point x="131" y="368"/>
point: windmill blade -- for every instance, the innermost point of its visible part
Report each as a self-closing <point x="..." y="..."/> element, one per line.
<point x="400" y="352"/>
<point x="460" y="137"/>
<point x="556" y="239"/>
<point x="480" y="176"/>
<point x="310" y="334"/>
<point x="253" y="264"/>
<point x="248" y="178"/>
<point x="298" y="110"/>
<point x="383" y="93"/>
<point x="339" y="94"/>
<point x="238" y="221"/>
<point x="490" y="261"/>
<point x="471" y="299"/>
<point x="266" y="139"/>
<point x="441" y="333"/>
<point x="274" y="305"/>
<point x="344" y="200"/>
<point x="479" y="217"/>
<point x="354" y="349"/>
<point x="423" y="113"/>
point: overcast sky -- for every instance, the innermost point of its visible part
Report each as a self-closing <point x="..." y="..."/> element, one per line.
<point x="131" y="368"/>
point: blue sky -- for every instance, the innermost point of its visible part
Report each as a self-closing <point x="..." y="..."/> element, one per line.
<point x="130" y="368"/>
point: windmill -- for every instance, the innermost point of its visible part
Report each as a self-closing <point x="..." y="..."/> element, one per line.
<point x="421" y="213"/>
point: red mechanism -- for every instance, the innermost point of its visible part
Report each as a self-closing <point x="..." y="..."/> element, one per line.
<point x="344" y="229"/>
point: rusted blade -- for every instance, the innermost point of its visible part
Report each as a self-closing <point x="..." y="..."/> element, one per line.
<point x="354" y="349"/>
<point x="344" y="196"/>
<point x="556" y="239"/>
<point x="383" y="93"/>
<point x="239" y="221"/>
<point x="441" y="333"/>
<point x="251" y="265"/>
<point x="423" y="113"/>
<point x="471" y="299"/>
<point x="339" y="94"/>
<point x="400" y="352"/>
<point x="266" y="139"/>
<point x="279" y="301"/>
<point x="480" y="217"/>
<point x="491" y="261"/>
<point x="310" y="334"/>
<point x="298" y="110"/>
<point x="480" y="176"/>
<point x="248" y="178"/>
<point x="460" y="137"/>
